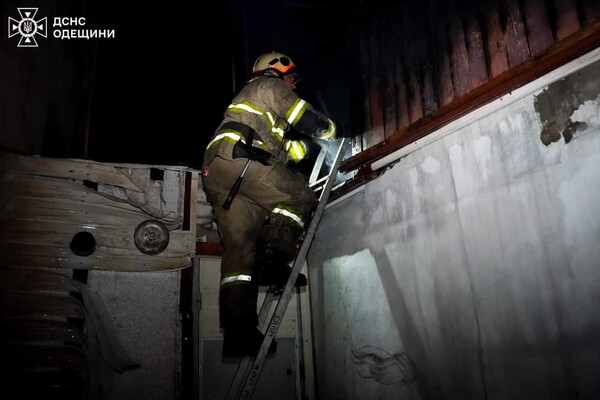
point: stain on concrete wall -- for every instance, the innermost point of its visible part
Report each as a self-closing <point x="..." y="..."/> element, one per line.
<point x="477" y="256"/>
<point x="383" y="367"/>
<point x="556" y="104"/>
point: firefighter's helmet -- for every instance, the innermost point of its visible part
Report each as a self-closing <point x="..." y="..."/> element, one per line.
<point x="274" y="64"/>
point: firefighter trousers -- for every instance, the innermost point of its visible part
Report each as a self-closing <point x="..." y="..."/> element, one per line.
<point x="272" y="206"/>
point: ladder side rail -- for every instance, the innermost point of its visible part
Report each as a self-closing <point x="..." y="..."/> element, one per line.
<point x="245" y="363"/>
<point x="256" y="368"/>
<point x="317" y="167"/>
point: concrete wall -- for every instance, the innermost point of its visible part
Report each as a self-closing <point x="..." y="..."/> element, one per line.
<point x="145" y="310"/>
<point x="470" y="269"/>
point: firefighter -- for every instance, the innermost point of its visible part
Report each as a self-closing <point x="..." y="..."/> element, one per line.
<point x="262" y="226"/>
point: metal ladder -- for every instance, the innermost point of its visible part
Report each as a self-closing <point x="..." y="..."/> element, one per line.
<point x="249" y="369"/>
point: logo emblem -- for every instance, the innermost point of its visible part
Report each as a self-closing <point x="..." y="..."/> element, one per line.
<point x="27" y="27"/>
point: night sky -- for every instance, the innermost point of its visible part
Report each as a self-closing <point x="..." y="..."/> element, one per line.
<point x="161" y="85"/>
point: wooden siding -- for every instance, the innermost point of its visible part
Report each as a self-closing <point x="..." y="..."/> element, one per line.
<point x="47" y="201"/>
<point x="417" y="60"/>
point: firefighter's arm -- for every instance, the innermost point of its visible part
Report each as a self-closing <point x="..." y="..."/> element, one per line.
<point x="296" y="149"/>
<point x="300" y="114"/>
<point x="309" y="121"/>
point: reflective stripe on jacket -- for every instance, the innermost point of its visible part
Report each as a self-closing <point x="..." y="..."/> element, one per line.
<point x="268" y="105"/>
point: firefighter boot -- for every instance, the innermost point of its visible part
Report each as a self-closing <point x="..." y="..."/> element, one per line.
<point x="238" y="318"/>
<point x="272" y="269"/>
<point x="244" y="341"/>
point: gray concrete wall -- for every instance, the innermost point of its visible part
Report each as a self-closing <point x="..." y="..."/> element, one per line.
<point x="470" y="269"/>
<point x="144" y="308"/>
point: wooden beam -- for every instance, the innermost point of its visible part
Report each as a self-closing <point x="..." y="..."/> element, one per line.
<point x="567" y="50"/>
<point x="67" y="168"/>
<point x="209" y="249"/>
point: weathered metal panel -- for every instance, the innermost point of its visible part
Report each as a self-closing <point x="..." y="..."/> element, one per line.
<point x="48" y="201"/>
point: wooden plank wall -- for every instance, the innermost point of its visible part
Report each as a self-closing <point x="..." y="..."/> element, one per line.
<point x="46" y="202"/>
<point x="418" y="57"/>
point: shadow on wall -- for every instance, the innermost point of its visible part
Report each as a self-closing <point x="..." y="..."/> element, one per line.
<point x="406" y="327"/>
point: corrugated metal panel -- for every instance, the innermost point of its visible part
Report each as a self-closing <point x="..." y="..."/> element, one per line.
<point x="52" y="332"/>
<point x="42" y="341"/>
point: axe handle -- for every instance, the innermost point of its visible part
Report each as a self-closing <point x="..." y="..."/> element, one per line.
<point x="235" y="187"/>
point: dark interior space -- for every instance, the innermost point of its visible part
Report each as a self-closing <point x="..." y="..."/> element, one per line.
<point x="155" y="92"/>
<point x="161" y="84"/>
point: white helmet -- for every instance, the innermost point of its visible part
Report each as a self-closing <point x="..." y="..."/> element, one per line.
<point x="274" y="64"/>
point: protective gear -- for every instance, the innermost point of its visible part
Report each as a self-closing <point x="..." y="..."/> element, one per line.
<point x="271" y="191"/>
<point x="275" y="64"/>
<point x="244" y="342"/>
<point x="311" y="120"/>
<point x="272" y="268"/>
<point x="296" y="149"/>
<point x="237" y="303"/>
<point x="246" y="146"/>
<point x="274" y="187"/>
<point x="238" y="300"/>
<point x="254" y="108"/>
<point x="242" y="150"/>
